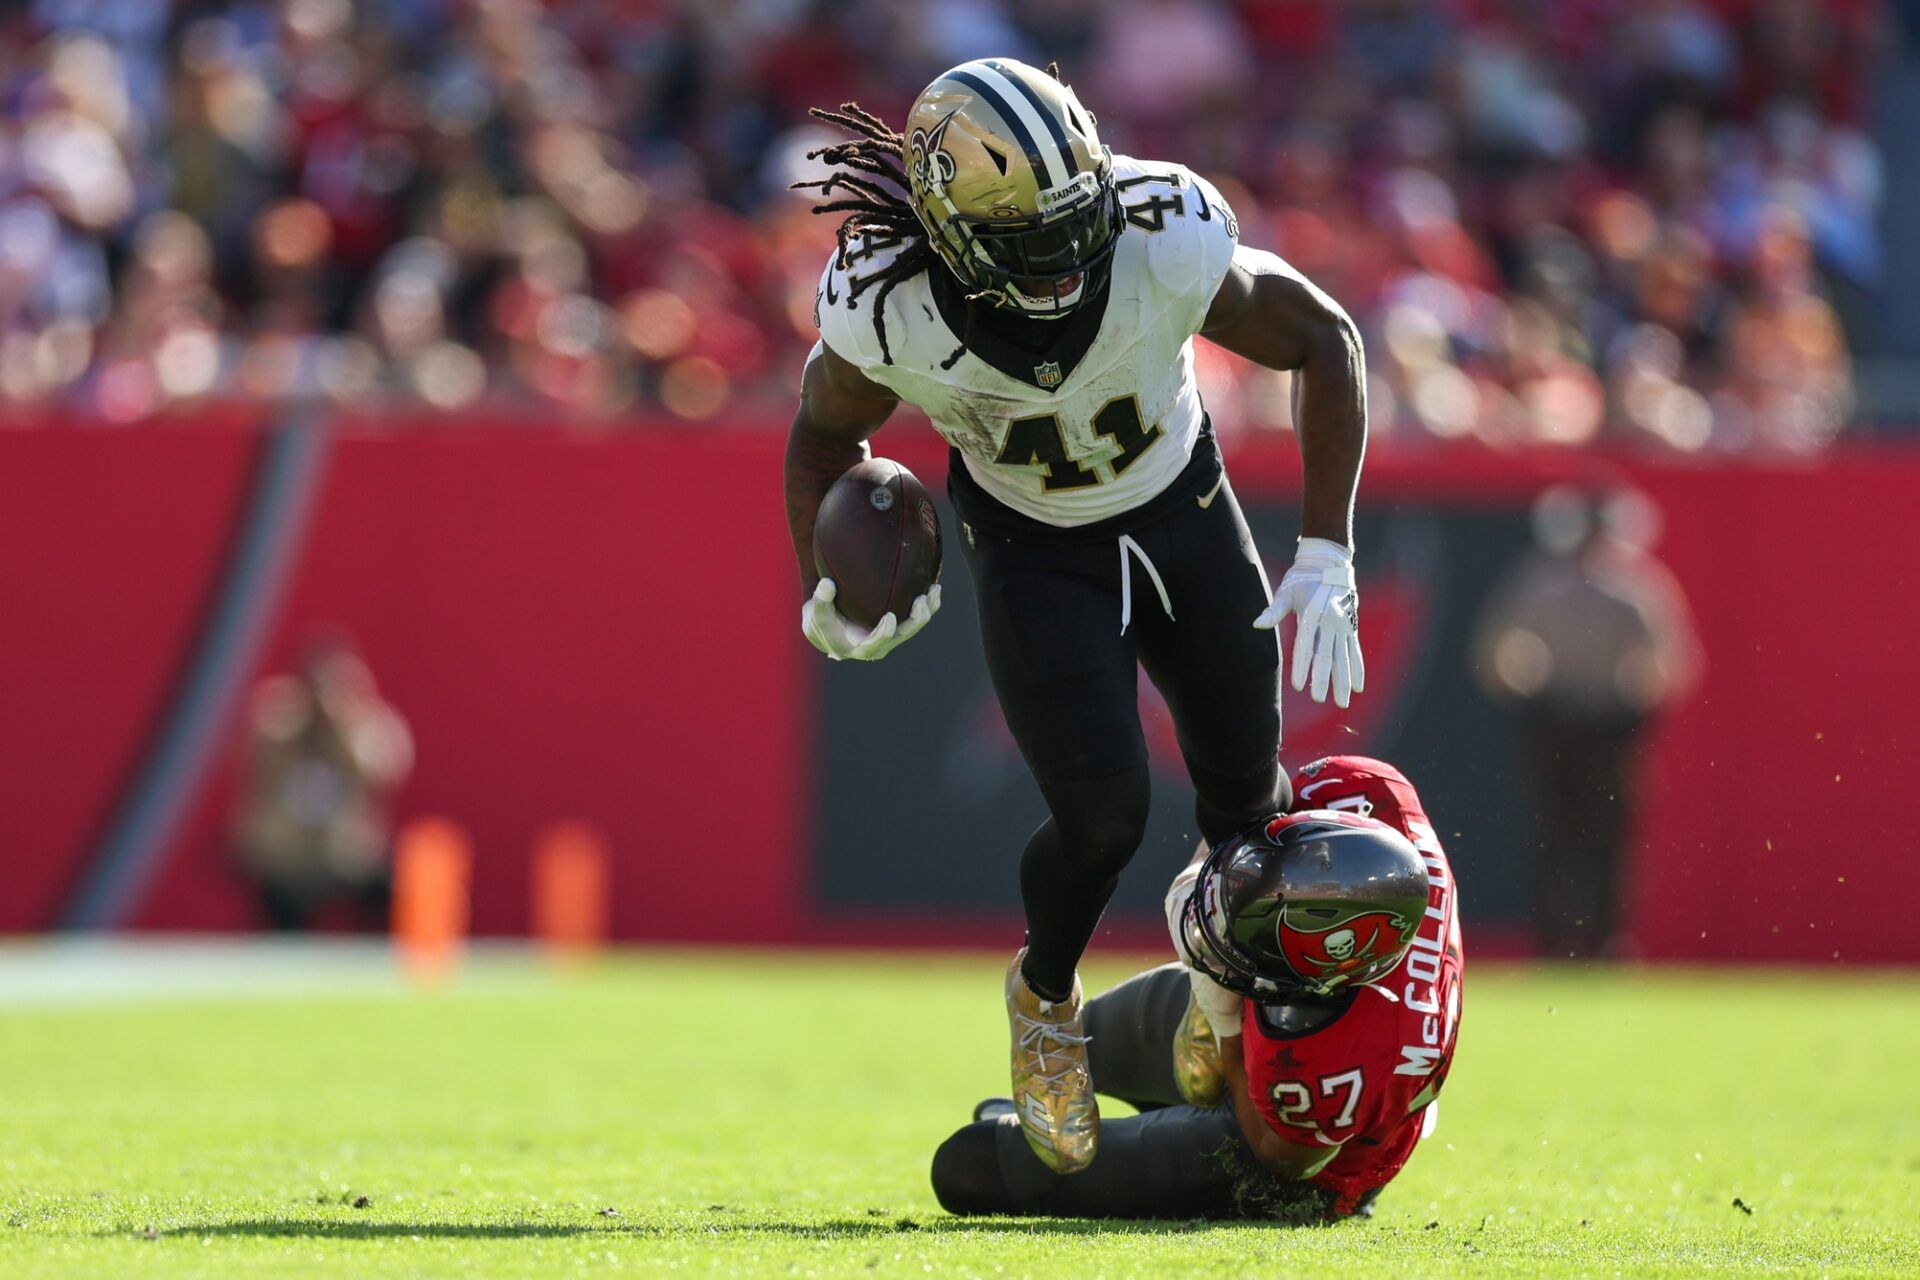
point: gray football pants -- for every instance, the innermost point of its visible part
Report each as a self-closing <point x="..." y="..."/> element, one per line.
<point x="1172" y="1160"/>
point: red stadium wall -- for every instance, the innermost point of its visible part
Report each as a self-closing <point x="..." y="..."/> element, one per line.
<point x="601" y="625"/>
<point x="574" y="625"/>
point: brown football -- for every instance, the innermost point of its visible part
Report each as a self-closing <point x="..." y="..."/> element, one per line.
<point x="878" y="537"/>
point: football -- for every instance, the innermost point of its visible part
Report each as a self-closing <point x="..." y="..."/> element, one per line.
<point x="878" y="537"/>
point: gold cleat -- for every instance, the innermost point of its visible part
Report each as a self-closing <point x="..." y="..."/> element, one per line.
<point x="1196" y="1059"/>
<point x="1052" y="1088"/>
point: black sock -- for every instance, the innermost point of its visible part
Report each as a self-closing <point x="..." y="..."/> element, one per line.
<point x="1063" y="909"/>
<point x="1072" y="866"/>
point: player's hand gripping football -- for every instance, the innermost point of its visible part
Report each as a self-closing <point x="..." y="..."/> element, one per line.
<point x="1319" y="592"/>
<point x="840" y="639"/>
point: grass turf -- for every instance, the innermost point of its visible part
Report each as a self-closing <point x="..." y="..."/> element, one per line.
<point x="773" y="1115"/>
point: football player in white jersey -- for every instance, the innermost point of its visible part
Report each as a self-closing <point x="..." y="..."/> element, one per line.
<point x="1037" y="296"/>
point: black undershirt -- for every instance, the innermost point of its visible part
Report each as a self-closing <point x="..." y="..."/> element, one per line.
<point x="1017" y="344"/>
<point x="1015" y="328"/>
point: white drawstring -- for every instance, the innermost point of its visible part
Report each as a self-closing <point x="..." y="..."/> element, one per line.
<point x="1127" y="544"/>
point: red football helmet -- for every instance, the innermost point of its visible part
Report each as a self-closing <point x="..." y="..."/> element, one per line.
<point x="1305" y="903"/>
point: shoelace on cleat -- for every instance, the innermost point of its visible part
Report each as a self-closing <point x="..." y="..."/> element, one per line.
<point x="1034" y="1034"/>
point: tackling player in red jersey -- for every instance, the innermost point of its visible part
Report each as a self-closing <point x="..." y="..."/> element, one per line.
<point x="1360" y="1088"/>
<point x="1289" y="1065"/>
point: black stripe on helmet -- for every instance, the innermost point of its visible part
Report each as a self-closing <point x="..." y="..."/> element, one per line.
<point x="1040" y="109"/>
<point x="1021" y="134"/>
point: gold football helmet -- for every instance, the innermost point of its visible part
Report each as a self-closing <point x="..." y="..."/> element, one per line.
<point x="1010" y="180"/>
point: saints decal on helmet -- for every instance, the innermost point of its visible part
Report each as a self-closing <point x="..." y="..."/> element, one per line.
<point x="1007" y="174"/>
<point x="1307" y="903"/>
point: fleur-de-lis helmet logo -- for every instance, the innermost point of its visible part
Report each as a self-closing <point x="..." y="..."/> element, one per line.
<point x="931" y="164"/>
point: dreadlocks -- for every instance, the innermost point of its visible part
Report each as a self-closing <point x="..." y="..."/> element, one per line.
<point x="869" y="160"/>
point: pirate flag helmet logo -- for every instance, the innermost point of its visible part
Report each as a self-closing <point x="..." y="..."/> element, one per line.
<point x="1305" y="903"/>
<point x="1326" y="947"/>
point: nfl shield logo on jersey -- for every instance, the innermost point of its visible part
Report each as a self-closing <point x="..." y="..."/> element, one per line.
<point x="1047" y="375"/>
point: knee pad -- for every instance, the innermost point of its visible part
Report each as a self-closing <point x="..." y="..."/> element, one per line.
<point x="966" y="1172"/>
<point x="1223" y="805"/>
<point x="1101" y="821"/>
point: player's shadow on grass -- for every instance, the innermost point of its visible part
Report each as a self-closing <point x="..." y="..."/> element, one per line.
<point x="836" y="1229"/>
<point x="332" y="1230"/>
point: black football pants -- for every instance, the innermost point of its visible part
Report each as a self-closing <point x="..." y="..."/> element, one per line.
<point x="1170" y="1161"/>
<point x="1187" y="586"/>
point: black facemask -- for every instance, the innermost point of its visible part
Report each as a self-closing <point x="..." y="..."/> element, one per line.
<point x="1037" y="256"/>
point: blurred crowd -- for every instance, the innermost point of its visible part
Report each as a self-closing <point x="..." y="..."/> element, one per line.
<point x="1565" y="221"/>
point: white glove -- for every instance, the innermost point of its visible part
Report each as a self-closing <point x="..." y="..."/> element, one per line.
<point x="834" y="636"/>
<point x="1176" y="904"/>
<point x="1319" y="592"/>
<point x="1221" y="1006"/>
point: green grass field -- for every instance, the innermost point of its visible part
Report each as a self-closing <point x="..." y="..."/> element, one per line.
<point x="708" y="1114"/>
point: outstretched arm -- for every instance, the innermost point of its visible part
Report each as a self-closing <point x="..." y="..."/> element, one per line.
<point x="1269" y="313"/>
<point x="1272" y="315"/>
<point x="839" y="408"/>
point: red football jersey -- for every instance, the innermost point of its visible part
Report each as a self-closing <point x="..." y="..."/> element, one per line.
<point x="1365" y="1082"/>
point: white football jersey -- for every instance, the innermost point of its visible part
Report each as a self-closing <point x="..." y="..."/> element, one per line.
<point x="1109" y="416"/>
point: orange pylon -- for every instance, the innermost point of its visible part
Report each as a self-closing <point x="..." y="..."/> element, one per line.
<point x="570" y="880"/>
<point x="432" y="876"/>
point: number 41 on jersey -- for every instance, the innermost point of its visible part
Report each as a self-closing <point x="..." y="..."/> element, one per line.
<point x="1038" y="441"/>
